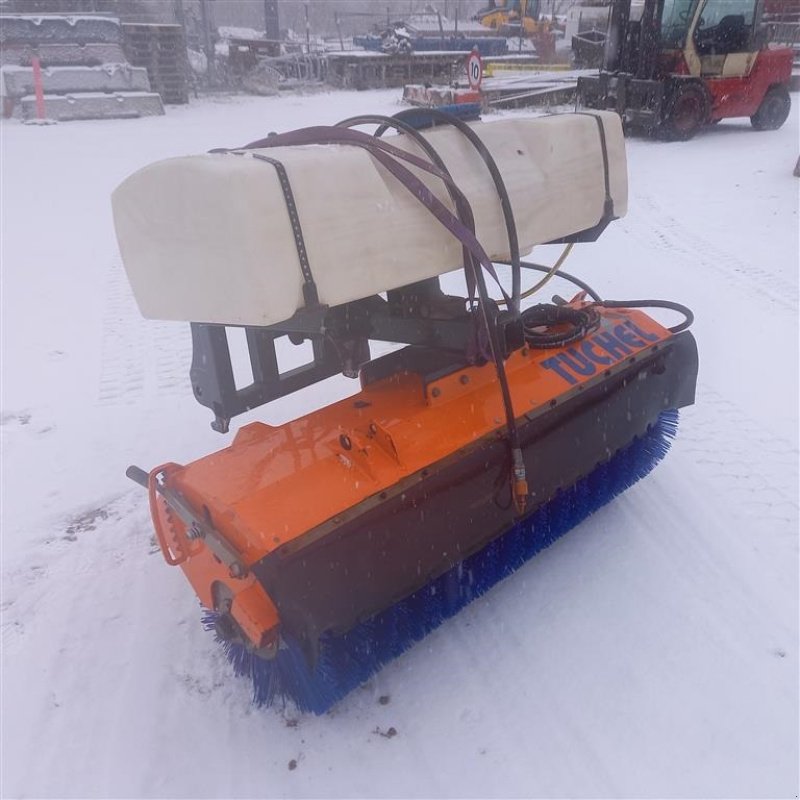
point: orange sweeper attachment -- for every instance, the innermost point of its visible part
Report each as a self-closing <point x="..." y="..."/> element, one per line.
<point x="327" y="546"/>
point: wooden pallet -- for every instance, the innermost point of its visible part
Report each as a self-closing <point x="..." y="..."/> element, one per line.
<point x="367" y="70"/>
<point x="161" y="49"/>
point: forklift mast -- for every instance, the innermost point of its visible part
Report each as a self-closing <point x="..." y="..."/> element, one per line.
<point x="633" y="46"/>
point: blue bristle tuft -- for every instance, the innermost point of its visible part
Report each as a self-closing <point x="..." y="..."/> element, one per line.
<point x="347" y="660"/>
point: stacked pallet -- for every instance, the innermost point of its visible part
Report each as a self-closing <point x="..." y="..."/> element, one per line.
<point x="161" y="50"/>
<point x="360" y="69"/>
<point x="83" y="69"/>
<point x="781" y="19"/>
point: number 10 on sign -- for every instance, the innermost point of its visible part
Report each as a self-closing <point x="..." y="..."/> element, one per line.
<point x="474" y="70"/>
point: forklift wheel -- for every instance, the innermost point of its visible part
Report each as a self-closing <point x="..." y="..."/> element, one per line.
<point x="687" y="111"/>
<point x="774" y="109"/>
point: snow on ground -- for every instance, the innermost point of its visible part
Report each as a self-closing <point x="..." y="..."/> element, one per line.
<point x="653" y="652"/>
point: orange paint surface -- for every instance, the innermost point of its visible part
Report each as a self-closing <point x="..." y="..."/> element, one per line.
<point x="274" y="484"/>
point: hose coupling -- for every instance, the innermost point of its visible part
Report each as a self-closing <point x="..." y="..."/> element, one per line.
<point x="520" y="483"/>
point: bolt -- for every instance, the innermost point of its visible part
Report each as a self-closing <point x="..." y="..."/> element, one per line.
<point x="236" y="570"/>
<point x="464" y="379"/>
<point x="224" y="628"/>
<point x="436" y="391"/>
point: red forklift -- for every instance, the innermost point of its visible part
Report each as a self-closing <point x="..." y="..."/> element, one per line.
<point x="672" y="66"/>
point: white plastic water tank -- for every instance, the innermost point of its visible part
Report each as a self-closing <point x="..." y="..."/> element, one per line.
<point x="207" y="238"/>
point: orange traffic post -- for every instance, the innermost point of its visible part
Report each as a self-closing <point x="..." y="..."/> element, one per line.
<point x="37" y="87"/>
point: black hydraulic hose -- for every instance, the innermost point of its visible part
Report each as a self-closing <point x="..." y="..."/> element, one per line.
<point x="398" y="123"/>
<point x="500" y="187"/>
<point x="464" y="210"/>
<point x="339" y="135"/>
<point x="391" y="157"/>
<point x="519" y="487"/>
<point x="669" y="304"/>
<point x="385" y="122"/>
<point x="672" y="306"/>
<point x="548" y="325"/>
<point x="561" y="274"/>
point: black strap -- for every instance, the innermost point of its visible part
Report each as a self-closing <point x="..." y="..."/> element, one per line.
<point x="608" y="208"/>
<point x="309" y="287"/>
<point x="310" y="295"/>
<point x="440" y="117"/>
<point x="391" y="157"/>
<point x="463" y="210"/>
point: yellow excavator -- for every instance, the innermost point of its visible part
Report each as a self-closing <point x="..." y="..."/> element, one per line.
<point x="521" y="18"/>
<point x="513" y="17"/>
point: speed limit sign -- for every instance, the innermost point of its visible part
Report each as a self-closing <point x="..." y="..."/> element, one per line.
<point x="474" y="70"/>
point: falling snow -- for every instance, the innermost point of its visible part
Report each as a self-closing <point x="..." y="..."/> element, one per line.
<point x="653" y="651"/>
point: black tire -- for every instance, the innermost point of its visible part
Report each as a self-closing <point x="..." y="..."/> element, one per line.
<point x="686" y="112"/>
<point x="774" y="109"/>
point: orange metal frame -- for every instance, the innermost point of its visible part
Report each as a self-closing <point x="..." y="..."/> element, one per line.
<point x="274" y="484"/>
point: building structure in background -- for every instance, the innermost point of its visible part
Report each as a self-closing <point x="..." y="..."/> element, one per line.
<point x="266" y="45"/>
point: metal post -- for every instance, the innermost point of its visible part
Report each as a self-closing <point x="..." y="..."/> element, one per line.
<point x="180" y="17"/>
<point x="272" y="30"/>
<point x="615" y="54"/>
<point x="338" y="29"/>
<point x="207" y="43"/>
<point x="308" y="31"/>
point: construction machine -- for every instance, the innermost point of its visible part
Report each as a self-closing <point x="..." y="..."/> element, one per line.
<point x="678" y="65"/>
<point x="520" y="18"/>
<point x="324" y="547"/>
<point x="512" y="17"/>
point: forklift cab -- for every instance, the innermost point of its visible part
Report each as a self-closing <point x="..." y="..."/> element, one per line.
<point x="716" y="38"/>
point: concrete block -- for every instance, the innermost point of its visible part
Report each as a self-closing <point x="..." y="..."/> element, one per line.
<point x="94" y="105"/>
<point x="62" y="54"/>
<point x="64" y="80"/>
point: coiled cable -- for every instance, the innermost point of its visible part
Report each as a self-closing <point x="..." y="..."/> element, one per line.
<point x="549" y="325"/>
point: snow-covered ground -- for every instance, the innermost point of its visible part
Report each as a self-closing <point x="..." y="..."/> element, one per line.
<point x="652" y="652"/>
